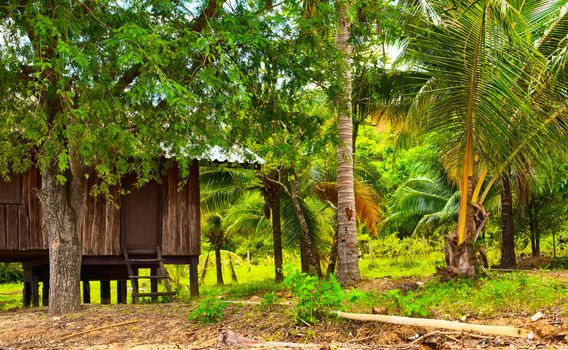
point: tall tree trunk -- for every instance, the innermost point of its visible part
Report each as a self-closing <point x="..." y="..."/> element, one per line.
<point x="311" y="262"/>
<point x="219" y="267"/>
<point x="63" y="212"/>
<point x="277" y="236"/>
<point x="507" y="229"/>
<point x="348" y="264"/>
<point x="272" y="193"/>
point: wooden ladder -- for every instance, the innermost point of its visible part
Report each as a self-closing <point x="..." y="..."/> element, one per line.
<point x="147" y="258"/>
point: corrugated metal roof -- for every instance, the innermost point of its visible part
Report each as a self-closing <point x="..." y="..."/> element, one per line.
<point x="235" y="154"/>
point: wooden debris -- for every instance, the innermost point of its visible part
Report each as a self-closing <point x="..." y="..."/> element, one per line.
<point x="95" y="329"/>
<point x="432" y="323"/>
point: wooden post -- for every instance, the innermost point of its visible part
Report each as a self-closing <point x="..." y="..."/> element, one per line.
<point x="193" y="276"/>
<point x="86" y="292"/>
<point x="27" y="287"/>
<point x="135" y="286"/>
<point x="121" y="292"/>
<point x="154" y="283"/>
<point x="105" y="292"/>
<point x="35" y="290"/>
<point x="45" y="292"/>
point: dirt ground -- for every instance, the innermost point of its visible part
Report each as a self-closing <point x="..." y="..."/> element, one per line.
<point x="166" y="326"/>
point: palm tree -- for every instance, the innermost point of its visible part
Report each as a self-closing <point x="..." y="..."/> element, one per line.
<point x="217" y="237"/>
<point x="477" y="54"/>
<point x="347" y="252"/>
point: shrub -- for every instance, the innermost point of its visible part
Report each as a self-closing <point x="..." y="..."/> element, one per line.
<point x="11" y="272"/>
<point x="315" y="297"/>
<point x="408" y="305"/>
<point x="209" y="310"/>
<point x="269" y="299"/>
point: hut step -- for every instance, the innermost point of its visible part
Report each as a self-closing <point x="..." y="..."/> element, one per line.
<point x="153" y="294"/>
<point x="149" y="277"/>
<point x="145" y="261"/>
<point x="158" y="273"/>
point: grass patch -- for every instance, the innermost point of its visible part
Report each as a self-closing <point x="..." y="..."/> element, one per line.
<point x="401" y="267"/>
<point x="10" y="296"/>
<point x="486" y="297"/>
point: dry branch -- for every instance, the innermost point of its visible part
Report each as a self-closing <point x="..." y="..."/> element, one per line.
<point x="95" y="329"/>
<point x="431" y="323"/>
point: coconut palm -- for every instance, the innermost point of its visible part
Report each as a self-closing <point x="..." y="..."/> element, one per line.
<point x="478" y="56"/>
<point x="348" y="266"/>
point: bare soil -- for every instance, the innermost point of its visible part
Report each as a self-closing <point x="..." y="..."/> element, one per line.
<point x="166" y="326"/>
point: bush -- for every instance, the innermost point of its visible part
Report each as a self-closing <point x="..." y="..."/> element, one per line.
<point x="209" y="310"/>
<point x="315" y="297"/>
<point x="269" y="299"/>
<point x="11" y="272"/>
<point x="408" y="305"/>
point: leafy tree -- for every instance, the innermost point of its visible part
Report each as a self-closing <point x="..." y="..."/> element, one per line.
<point x="95" y="89"/>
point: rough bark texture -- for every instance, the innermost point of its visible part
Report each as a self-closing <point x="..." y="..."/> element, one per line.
<point x="272" y="197"/>
<point x="63" y="213"/>
<point x="507" y="228"/>
<point x="310" y="256"/>
<point x="348" y="265"/>
<point x="462" y="259"/>
<point x="219" y="267"/>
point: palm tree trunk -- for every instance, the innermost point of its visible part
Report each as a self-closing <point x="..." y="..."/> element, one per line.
<point x="311" y="261"/>
<point x="461" y="257"/>
<point x="533" y="228"/>
<point x="276" y="234"/>
<point x="218" y="266"/>
<point x="507" y="229"/>
<point x="272" y="193"/>
<point x="348" y="264"/>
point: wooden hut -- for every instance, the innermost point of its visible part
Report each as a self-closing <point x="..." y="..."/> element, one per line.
<point x="154" y="225"/>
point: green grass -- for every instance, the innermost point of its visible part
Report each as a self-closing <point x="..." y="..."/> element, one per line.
<point x="10" y="296"/>
<point x="399" y="268"/>
<point x="502" y="294"/>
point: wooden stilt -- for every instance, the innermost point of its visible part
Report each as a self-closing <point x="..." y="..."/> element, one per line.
<point x="27" y="287"/>
<point x="35" y="290"/>
<point x="121" y="291"/>
<point x="105" y="292"/>
<point x="193" y="276"/>
<point x="45" y="292"/>
<point x="86" y="292"/>
<point x="154" y="284"/>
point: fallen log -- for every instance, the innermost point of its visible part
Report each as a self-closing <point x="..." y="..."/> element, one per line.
<point x="432" y="323"/>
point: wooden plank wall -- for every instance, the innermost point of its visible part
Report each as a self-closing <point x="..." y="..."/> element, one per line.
<point x="20" y="223"/>
<point x="101" y="227"/>
<point x="20" y="215"/>
<point x="181" y="213"/>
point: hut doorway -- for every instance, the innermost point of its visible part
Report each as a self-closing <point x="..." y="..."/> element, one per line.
<point x="141" y="216"/>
